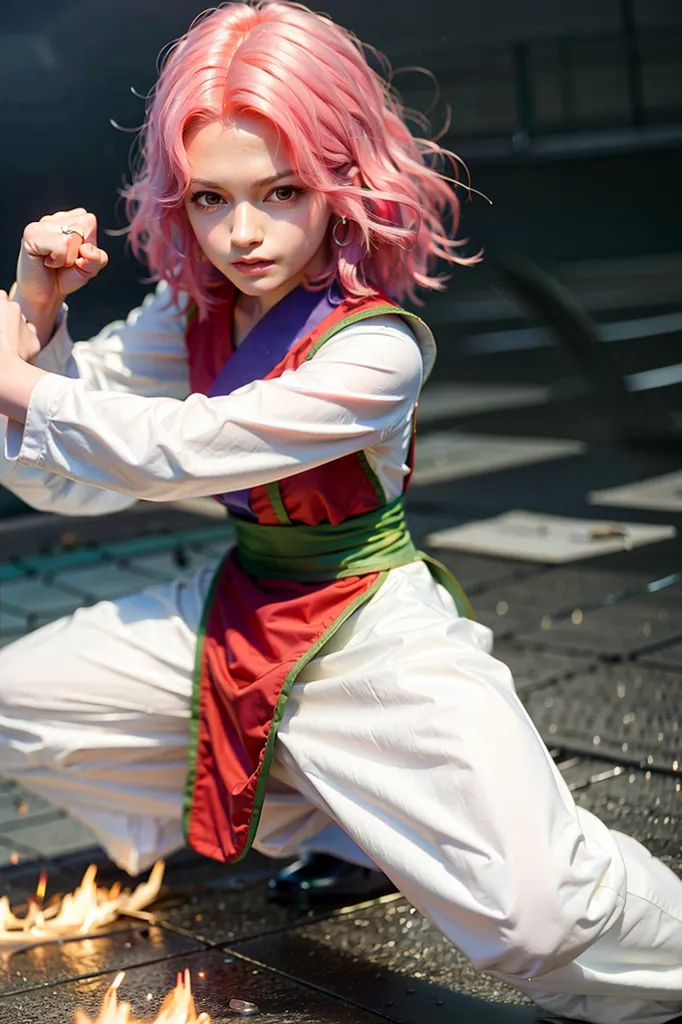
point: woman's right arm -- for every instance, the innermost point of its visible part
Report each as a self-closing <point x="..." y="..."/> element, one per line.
<point x="145" y="354"/>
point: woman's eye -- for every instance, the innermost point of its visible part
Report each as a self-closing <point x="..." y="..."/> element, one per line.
<point x="206" y="200"/>
<point x="291" y="192"/>
<point x="211" y="200"/>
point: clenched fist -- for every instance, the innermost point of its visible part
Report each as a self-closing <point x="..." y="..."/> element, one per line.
<point x="58" y="255"/>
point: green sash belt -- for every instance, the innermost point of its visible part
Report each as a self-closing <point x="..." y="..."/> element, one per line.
<point x="370" y="543"/>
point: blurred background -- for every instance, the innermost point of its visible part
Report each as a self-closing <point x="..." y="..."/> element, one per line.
<point x="569" y="117"/>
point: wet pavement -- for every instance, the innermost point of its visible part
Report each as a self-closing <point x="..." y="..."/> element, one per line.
<point x="595" y="649"/>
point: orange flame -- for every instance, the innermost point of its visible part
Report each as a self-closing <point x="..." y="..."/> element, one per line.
<point x="77" y="913"/>
<point x="41" y="888"/>
<point x="177" y="1008"/>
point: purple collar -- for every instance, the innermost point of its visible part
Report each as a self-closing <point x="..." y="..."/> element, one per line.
<point x="264" y="347"/>
<point x="272" y="338"/>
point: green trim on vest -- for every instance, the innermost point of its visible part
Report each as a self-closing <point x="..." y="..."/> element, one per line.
<point x="314" y="649"/>
<point x="275" y="495"/>
<point x="363" y="544"/>
<point x="348" y="321"/>
<point x="372" y="477"/>
<point x="274" y="491"/>
<point x="354" y="318"/>
<point x="193" y="738"/>
<point x="446" y="579"/>
<point x="385" y="310"/>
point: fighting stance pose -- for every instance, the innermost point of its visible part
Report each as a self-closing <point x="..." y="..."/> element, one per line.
<point x="324" y="676"/>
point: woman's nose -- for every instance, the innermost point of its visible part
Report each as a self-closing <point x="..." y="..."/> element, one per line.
<point x="245" y="227"/>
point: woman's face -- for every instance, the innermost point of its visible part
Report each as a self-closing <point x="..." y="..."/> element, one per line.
<point x="245" y="203"/>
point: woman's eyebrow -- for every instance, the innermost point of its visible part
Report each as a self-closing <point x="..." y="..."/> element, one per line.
<point x="257" y="184"/>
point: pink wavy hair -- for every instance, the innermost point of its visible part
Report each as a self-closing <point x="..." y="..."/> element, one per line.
<point x="346" y="134"/>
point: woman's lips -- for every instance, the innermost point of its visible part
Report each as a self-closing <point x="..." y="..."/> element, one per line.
<point x="252" y="269"/>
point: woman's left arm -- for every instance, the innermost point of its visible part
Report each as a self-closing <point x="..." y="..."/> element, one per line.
<point x="357" y="391"/>
<point x="143" y="354"/>
<point x="18" y="344"/>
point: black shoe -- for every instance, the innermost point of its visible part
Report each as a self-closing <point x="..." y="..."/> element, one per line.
<point x="319" y="878"/>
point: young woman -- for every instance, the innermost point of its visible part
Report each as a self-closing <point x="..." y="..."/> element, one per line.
<point x="323" y="672"/>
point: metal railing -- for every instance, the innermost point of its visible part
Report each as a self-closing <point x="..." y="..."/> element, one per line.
<point x="557" y="84"/>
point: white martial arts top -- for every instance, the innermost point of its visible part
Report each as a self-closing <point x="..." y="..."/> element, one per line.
<point x="115" y="421"/>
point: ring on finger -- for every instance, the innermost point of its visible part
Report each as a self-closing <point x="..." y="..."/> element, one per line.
<point x="73" y="229"/>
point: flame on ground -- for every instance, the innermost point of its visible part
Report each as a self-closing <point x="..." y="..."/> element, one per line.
<point x="42" y="887"/>
<point x="177" y="1008"/>
<point x="86" y="909"/>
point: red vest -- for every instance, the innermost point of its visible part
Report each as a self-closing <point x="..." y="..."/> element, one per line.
<point x="257" y="634"/>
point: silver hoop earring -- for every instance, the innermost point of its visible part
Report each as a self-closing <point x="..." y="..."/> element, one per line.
<point x="341" y="245"/>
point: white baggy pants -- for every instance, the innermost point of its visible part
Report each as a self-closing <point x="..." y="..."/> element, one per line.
<point x="407" y="733"/>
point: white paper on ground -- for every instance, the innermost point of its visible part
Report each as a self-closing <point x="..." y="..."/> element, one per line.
<point x="658" y="492"/>
<point x="446" y="455"/>
<point x="537" y="537"/>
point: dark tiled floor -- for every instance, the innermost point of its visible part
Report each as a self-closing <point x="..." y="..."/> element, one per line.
<point x="121" y="948"/>
<point x="389" y="958"/>
<point x="629" y="710"/>
<point x="665" y="657"/>
<point x="231" y="912"/>
<point x="532" y="669"/>
<point x="218" y="980"/>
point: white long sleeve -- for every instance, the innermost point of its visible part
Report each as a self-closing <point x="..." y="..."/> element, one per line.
<point x="145" y="354"/>
<point x="357" y="393"/>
